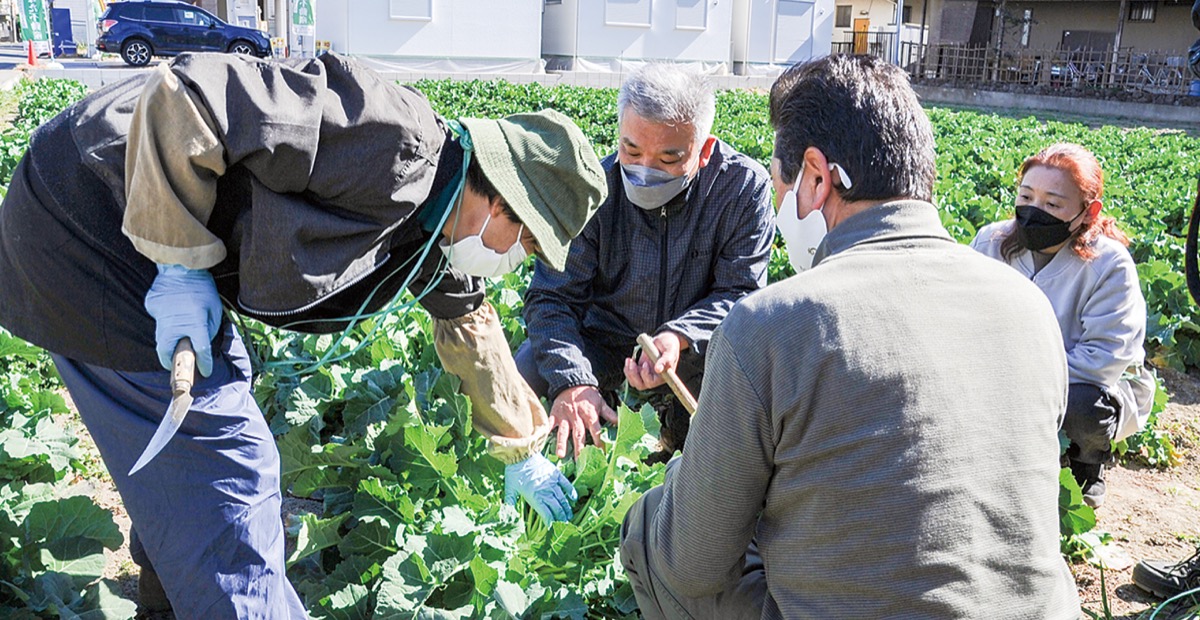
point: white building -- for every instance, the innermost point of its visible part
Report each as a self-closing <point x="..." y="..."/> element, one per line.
<point x="436" y="35"/>
<point x="771" y="35"/>
<point x="613" y="35"/>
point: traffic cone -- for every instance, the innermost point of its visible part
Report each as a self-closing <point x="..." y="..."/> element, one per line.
<point x="32" y="59"/>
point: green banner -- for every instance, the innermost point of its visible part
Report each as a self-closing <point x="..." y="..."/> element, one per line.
<point x="35" y="22"/>
<point x="303" y="13"/>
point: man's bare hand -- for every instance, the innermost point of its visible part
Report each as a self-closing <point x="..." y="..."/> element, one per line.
<point x="644" y="374"/>
<point x="576" y="412"/>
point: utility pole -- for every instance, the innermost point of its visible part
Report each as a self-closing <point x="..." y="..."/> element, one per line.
<point x="281" y="19"/>
<point x="899" y="31"/>
<point x="999" y="25"/>
<point x="1124" y="12"/>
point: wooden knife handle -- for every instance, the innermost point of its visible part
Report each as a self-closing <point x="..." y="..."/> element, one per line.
<point x="183" y="373"/>
<point x="677" y="386"/>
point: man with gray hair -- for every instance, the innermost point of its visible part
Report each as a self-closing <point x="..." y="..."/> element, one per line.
<point x="685" y="233"/>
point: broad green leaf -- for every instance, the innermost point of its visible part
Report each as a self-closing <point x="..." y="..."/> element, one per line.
<point x="404" y="586"/>
<point x="563" y="603"/>
<point x="356" y="570"/>
<point x="445" y="555"/>
<point x="47" y="442"/>
<point x="13" y="347"/>
<point x="47" y="401"/>
<point x="315" y="534"/>
<point x="309" y="400"/>
<point x="307" y="468"/>
<point x="432" y="613"/>
<point x="562" y="543"/>
<point x="350" y="602"/>
<point x="73" y="517"/>
<point x="650" y="420"/>
<point x="344" y="593"/>
<point x="425" y="441"/>
<point x="590" y="467"/>
<point x="630" y="432"/>
<point x="81" y="558"/>
<point x="374" y="397"/>
<point x="104" y="600"/>
<point x="485" y="577"/>
<point x="17" y="506"/>
<point x="54" y="590"/>
<point x="512" y="598"/>
<point x="388" y="501"/>
<point x="371" y="538"/>
<point x="1075" y="516"/>
<point x="456" y="521"/>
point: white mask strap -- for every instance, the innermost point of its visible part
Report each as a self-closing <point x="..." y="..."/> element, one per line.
<point x="842" y="176"/>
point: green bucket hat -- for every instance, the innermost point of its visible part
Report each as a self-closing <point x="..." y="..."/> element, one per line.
<point x="546" y="170"/>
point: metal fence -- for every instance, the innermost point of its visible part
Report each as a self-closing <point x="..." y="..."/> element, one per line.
<point x="869" y="43"/>
<point x="1126" y="69"/>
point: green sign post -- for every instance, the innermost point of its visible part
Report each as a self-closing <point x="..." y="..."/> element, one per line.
<point x="304" y="28"/>
<point x="35" y="24"/>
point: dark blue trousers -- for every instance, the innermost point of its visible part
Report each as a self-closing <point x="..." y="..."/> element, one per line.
<point x="206" y="510"/>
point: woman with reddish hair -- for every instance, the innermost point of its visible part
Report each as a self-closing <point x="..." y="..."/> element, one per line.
<point x="1078" y="257"/>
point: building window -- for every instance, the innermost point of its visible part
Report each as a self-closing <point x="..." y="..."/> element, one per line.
<point x="906" y="14"/>
<point x="627" y="13"/>
<point x="691" y="14"/>
<point x="553" y="2"/>
<point x="1141" y="11"/>
<point x="843" y="16"/>
<point x="413" y="10"/>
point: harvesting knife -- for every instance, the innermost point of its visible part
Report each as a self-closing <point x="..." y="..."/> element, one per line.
<point x="183" y="374"/>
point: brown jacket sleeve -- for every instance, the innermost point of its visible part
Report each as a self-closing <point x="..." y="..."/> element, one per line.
<point x="504" y="408"/>
<point x="172" y="164"/>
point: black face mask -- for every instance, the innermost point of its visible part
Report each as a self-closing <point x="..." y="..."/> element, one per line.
<point x="1038" y="230"/>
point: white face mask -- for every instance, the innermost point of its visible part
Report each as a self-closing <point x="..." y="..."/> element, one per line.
<point x="651" y="188"/>
<point x="802" y="236"/>
<point x="470" y="256"/>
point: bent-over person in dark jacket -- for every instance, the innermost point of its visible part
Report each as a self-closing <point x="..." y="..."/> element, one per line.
<point x="300" y="193"/>
<point x="685" y="233"/>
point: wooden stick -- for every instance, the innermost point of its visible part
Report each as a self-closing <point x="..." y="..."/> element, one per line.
<point x="677" y="386"/>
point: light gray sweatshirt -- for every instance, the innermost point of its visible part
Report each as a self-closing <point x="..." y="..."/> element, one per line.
<point x="885" y="426"/>
<point x="1101" y="313"/>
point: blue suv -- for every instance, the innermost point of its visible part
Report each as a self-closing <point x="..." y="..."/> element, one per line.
<point x="141" y="30"/>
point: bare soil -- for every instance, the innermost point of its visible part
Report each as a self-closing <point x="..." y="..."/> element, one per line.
<point x="1150" y="513"/>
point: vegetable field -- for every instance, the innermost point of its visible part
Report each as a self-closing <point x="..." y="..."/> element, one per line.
<point x="413" y="524"/>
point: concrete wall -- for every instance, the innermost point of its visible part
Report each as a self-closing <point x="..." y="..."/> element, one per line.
<point x="954" y="24"/>
<point x="1174" y="116"/>
<point x="1171" y="30"/>
<point x="679" y="30"/>
<point x="437" y="29"/>
<point x="782" y="33"/>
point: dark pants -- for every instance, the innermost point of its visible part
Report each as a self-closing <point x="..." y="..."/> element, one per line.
<point x="1090" y="423"/>
<point x="656" y="600"/>
<point x="206" y="510"/>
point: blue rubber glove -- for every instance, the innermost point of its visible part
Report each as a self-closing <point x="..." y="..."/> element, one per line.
<point x="184" y="302"/>
<point x="541" y="484"/>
